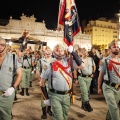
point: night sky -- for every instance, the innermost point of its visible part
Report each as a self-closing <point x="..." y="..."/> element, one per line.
<point x="48" y="9"/>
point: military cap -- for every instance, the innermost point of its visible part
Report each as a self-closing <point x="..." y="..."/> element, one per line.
<point x="57" y="47"/>
<point x="112" y="43"/>
<point x="83" y="50"/>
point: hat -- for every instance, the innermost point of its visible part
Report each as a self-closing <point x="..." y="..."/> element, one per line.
<point x="83" y="50"/>
<point x="57" y="47"/>
<point x="112" y="43"/>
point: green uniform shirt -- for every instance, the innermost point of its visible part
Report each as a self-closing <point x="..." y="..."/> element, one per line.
<point x="26" y="62"/>
<point x="88" y="68"/>
<point x="58" y="80"/>
<point x="113" y="76"/>
<point x="44" y="64"/>
<point x="6" y="71"/>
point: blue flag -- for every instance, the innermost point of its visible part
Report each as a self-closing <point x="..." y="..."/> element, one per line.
<point x="68" y="17"/>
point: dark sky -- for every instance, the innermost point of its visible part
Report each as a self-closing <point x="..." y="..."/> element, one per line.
<point x="48" y="9"/>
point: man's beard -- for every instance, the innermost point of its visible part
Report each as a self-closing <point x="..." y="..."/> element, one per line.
<point x="59" y="57"/>
<point x="115" y="53"/>
<point x="2" y="50"/>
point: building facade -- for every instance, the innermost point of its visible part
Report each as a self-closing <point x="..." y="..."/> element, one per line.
<point x="38" y="30"/>
<point x="102" y="31"/>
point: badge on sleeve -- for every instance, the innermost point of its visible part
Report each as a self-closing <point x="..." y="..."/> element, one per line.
<point x="44" y="67"/>
<point x="10" y="69"/>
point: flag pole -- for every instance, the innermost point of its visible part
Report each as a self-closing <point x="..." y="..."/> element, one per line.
<point x="68" y="17"/>
<point x="72" y="70"/>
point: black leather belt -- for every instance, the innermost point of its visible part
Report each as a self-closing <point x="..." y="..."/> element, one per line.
<point x="25" y="67"/>
<point x="117" y="86"/>
<point x="60" y="92"/>
<point x="86" y="75"/>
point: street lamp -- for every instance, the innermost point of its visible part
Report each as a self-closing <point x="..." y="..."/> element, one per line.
<point x="118" y="14"/>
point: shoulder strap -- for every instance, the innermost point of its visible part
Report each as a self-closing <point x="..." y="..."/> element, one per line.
<point x="107" y="69"/>
<point x="28" y="62"/>
<point x="51" y="76"/>
<point x="92" y="65"/>
<point x="13" y="69"/>
<point x="40" y="67"/>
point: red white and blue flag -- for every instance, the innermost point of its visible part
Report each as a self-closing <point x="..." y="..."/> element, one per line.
<point x="68" y="17"/>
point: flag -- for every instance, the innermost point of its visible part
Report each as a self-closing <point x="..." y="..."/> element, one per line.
<point x="68" y="17"/>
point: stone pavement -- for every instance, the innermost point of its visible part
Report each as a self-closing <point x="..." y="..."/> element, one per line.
<point x="29" y="108"/>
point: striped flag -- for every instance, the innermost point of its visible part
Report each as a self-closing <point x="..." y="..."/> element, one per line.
<point x="68" y="18"/>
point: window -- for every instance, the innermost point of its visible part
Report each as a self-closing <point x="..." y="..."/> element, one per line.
<point x="114" y="31"/>
<point x="114" y="36"/>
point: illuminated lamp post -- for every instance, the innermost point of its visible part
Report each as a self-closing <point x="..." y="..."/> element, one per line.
<point x="118" y="14"/>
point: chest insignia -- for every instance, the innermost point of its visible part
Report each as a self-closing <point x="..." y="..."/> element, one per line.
<point x="10" y="69"/>
<point x="44" y="67"/>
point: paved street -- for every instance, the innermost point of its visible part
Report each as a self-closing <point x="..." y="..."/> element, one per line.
<point x="29" y="108"/>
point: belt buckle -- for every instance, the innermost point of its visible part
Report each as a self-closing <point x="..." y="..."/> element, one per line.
<point x="66" y="92"/>
<point x="1" y="92"/>
<point x="117" y="86"/>
<point x="87" y="76"/>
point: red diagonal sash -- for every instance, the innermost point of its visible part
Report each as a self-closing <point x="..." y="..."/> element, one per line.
<point x="111" y="66"/>
<point x="57" y="65"/>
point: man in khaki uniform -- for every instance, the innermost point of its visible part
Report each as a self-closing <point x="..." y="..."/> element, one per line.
<point x="85" y="79"/>
<point x="110" y="74"/>
<point x="26" y="65"/>
<point x="59" y="84"/>
<point x="43" y="64"/>
<point x="7" y="85"/>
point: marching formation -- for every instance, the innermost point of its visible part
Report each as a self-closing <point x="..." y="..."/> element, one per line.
<point x="56" y="71"/>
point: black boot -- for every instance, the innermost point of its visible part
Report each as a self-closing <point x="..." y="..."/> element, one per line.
<point x="22" y="92"/>
<point x="89" y="108"/>
<point x="83" y="106"/>
<point x="49" y="110"/>
<point x="27" y="93"/>
<point x="44" y="115"/>
<point x="86" y="106"/>
<point x="18" y="88"/>
<point x="15" y="98"/>
<point x="30" y="84"/>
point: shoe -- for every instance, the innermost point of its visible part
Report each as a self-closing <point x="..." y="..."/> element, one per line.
<point x="83" y="106"/>
<point x="27" y="93"/>
<point x="22" y="92"/>
<point x="89" y="107"/>
<point x="86" y="106"/>
<point x="44" y="115"/>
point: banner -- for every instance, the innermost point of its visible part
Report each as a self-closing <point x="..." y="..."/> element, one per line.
<point x="68" y="17"/>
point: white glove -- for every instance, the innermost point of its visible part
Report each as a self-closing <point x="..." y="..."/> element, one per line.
<point x="70" y="49"/>
<point x="9" y="91"/>
<point x="32" y="72"/>
<point x="47" y="102"/>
